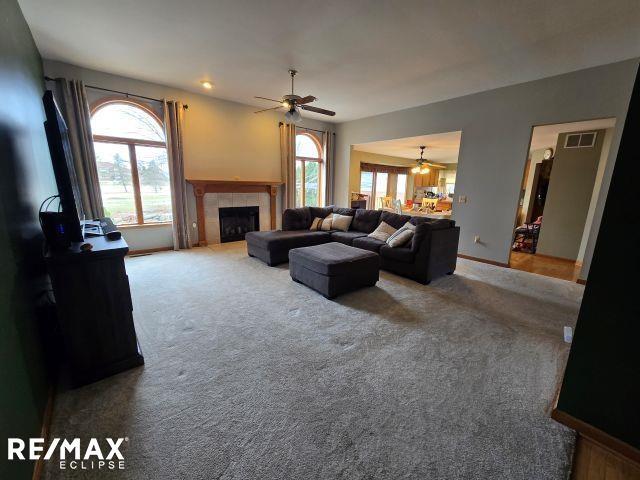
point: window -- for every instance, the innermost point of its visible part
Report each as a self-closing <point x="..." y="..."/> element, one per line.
<point x="401" y="187"/>
<point x="366" y="184"/>
<point x="382" y="182"/>
<point x="308" y="170"/>
<point x="580" y="140"/>
<point x="133" y="169"/>
<point x="375" y="185"/>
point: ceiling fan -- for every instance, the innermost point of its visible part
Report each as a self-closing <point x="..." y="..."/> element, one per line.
<point x="422" y="164"/>
<point x="293" y="103"/>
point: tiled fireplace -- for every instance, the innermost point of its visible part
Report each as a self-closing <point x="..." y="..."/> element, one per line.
<point x="214" y="203"/>
<point x="215" y="196"/>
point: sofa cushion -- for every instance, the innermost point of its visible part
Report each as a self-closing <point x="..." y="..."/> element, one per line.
<point x="400" y="254"/>
<point x="365" y="220"/>
<point x="346" y="237"/>
<point x="322" y="212"/>
<point x="333" y="258"/>
<point x="395" y="220"/>
<point x="296" y="219"/>
<point x="434" y="223"/>
<point x="368" y="243"/>
<point x="280" y="239"/>
<point x="345" y="211"/>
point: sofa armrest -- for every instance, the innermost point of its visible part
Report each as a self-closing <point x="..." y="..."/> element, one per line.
<point x="443" y="251"/>
<point x="296" y="219"/>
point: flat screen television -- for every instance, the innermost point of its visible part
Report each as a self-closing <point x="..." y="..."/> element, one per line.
<point x="63" y="167"/>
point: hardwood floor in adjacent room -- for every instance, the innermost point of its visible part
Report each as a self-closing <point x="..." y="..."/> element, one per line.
<point x="547" y="266"/>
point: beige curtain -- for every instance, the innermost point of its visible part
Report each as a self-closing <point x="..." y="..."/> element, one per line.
<point x="288" y="162"/>
<point x="72" y="100"/>
<point x="329" y="160"/>
<point x="173" y="120"/>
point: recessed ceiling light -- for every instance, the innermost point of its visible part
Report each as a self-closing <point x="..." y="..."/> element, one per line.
<point x="207" y="84"/>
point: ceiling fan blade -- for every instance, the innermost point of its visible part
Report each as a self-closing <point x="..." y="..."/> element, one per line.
<point x="270" y="99"/>
<point x="307" y="99"/>
<point x="267" y="109"/>
<point x="318" y="110"/>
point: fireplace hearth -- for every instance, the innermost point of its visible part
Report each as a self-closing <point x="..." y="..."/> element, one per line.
<point x="235" y="222"/>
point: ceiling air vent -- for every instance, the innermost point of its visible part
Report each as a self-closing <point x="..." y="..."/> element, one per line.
<point x="580" y="140"/>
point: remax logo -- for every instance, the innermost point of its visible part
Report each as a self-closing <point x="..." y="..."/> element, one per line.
<point x="71" y="454"/>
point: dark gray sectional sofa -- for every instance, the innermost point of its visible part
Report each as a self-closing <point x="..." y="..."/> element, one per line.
<point x="431" y="253"/>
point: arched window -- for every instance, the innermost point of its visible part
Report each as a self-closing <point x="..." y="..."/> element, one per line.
<point x="131" y="156"/>
<point x="308" y="170"/>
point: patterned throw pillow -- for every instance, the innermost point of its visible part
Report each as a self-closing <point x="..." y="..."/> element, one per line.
<point x="321" y="223"/>
<point x="327" y="223"/>
<point x="402" y="235"/>
<point x="382" y="232"/>
<point x="341" y="222"/>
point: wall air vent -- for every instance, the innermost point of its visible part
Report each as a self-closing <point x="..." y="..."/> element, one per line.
<point x="580" y="140"/>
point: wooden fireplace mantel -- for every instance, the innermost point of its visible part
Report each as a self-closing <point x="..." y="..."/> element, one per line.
<point x="200" y="187"/>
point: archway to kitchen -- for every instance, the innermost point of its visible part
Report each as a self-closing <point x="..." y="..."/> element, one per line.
<point x="398" y="175"/>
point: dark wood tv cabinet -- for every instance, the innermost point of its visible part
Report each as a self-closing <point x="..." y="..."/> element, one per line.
<point x="94" y="307"/>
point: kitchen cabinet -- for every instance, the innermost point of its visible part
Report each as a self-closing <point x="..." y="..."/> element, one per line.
<point x="427" y="179"/>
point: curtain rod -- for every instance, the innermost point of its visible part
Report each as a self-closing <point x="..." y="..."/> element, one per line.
<point x="307" y="128"/>
<point x="49" y="79"/>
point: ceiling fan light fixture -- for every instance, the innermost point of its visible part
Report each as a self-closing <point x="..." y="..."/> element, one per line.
<point x="424" y="170"/>
<point x="415" y="169"/>
<point x="293" y="116"/>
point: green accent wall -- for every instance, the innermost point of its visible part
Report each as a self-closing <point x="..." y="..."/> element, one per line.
<point x="26" y="179"/>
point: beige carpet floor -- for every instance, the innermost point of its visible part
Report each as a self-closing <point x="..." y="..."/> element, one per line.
<point x="250" y="375"/>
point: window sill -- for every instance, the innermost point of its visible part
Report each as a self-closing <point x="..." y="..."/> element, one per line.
<point x="143" y="225"/>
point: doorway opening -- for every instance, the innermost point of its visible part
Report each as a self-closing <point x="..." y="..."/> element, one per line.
<point x="559" y="193"/>
<point x="392" y="175"/>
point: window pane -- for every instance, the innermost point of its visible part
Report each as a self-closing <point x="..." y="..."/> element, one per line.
<point x="126" y="120"/>
<point x="305" y="147"/>
<point x="401" y="187"/>
<point x="114" y="173"/>
<point x="153" y="171"/>
<point x="311" y="184"/>
<point x="366" y="184"/>
<point x="381" y="188"/>
<point x="299" y="202"/>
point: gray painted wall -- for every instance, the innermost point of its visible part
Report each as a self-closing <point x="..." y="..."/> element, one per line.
<point x="602" y="165"/>
<point x="496" y="129"/>
<point x="571" y="185"/>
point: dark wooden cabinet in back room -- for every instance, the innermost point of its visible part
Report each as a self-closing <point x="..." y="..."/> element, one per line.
<point x="95" y="312"/>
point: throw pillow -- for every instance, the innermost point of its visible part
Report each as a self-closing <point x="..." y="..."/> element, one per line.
<point x="382" y="232"/>
<point x="327" y="223"/>
<point x="341" y="222"/>
<point x="318" y="224"/>
<point x="399" y="238"/>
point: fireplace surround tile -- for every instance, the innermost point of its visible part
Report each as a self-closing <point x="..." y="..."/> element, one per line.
<point x="214" y="201"/>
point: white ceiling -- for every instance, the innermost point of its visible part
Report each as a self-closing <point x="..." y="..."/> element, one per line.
<point x="441" y="147"/>
<point x="358" y="57"/>
<point x="547" y="135"/>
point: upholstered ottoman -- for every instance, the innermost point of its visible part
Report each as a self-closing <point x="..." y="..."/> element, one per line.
<point x="334" y="268"/>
